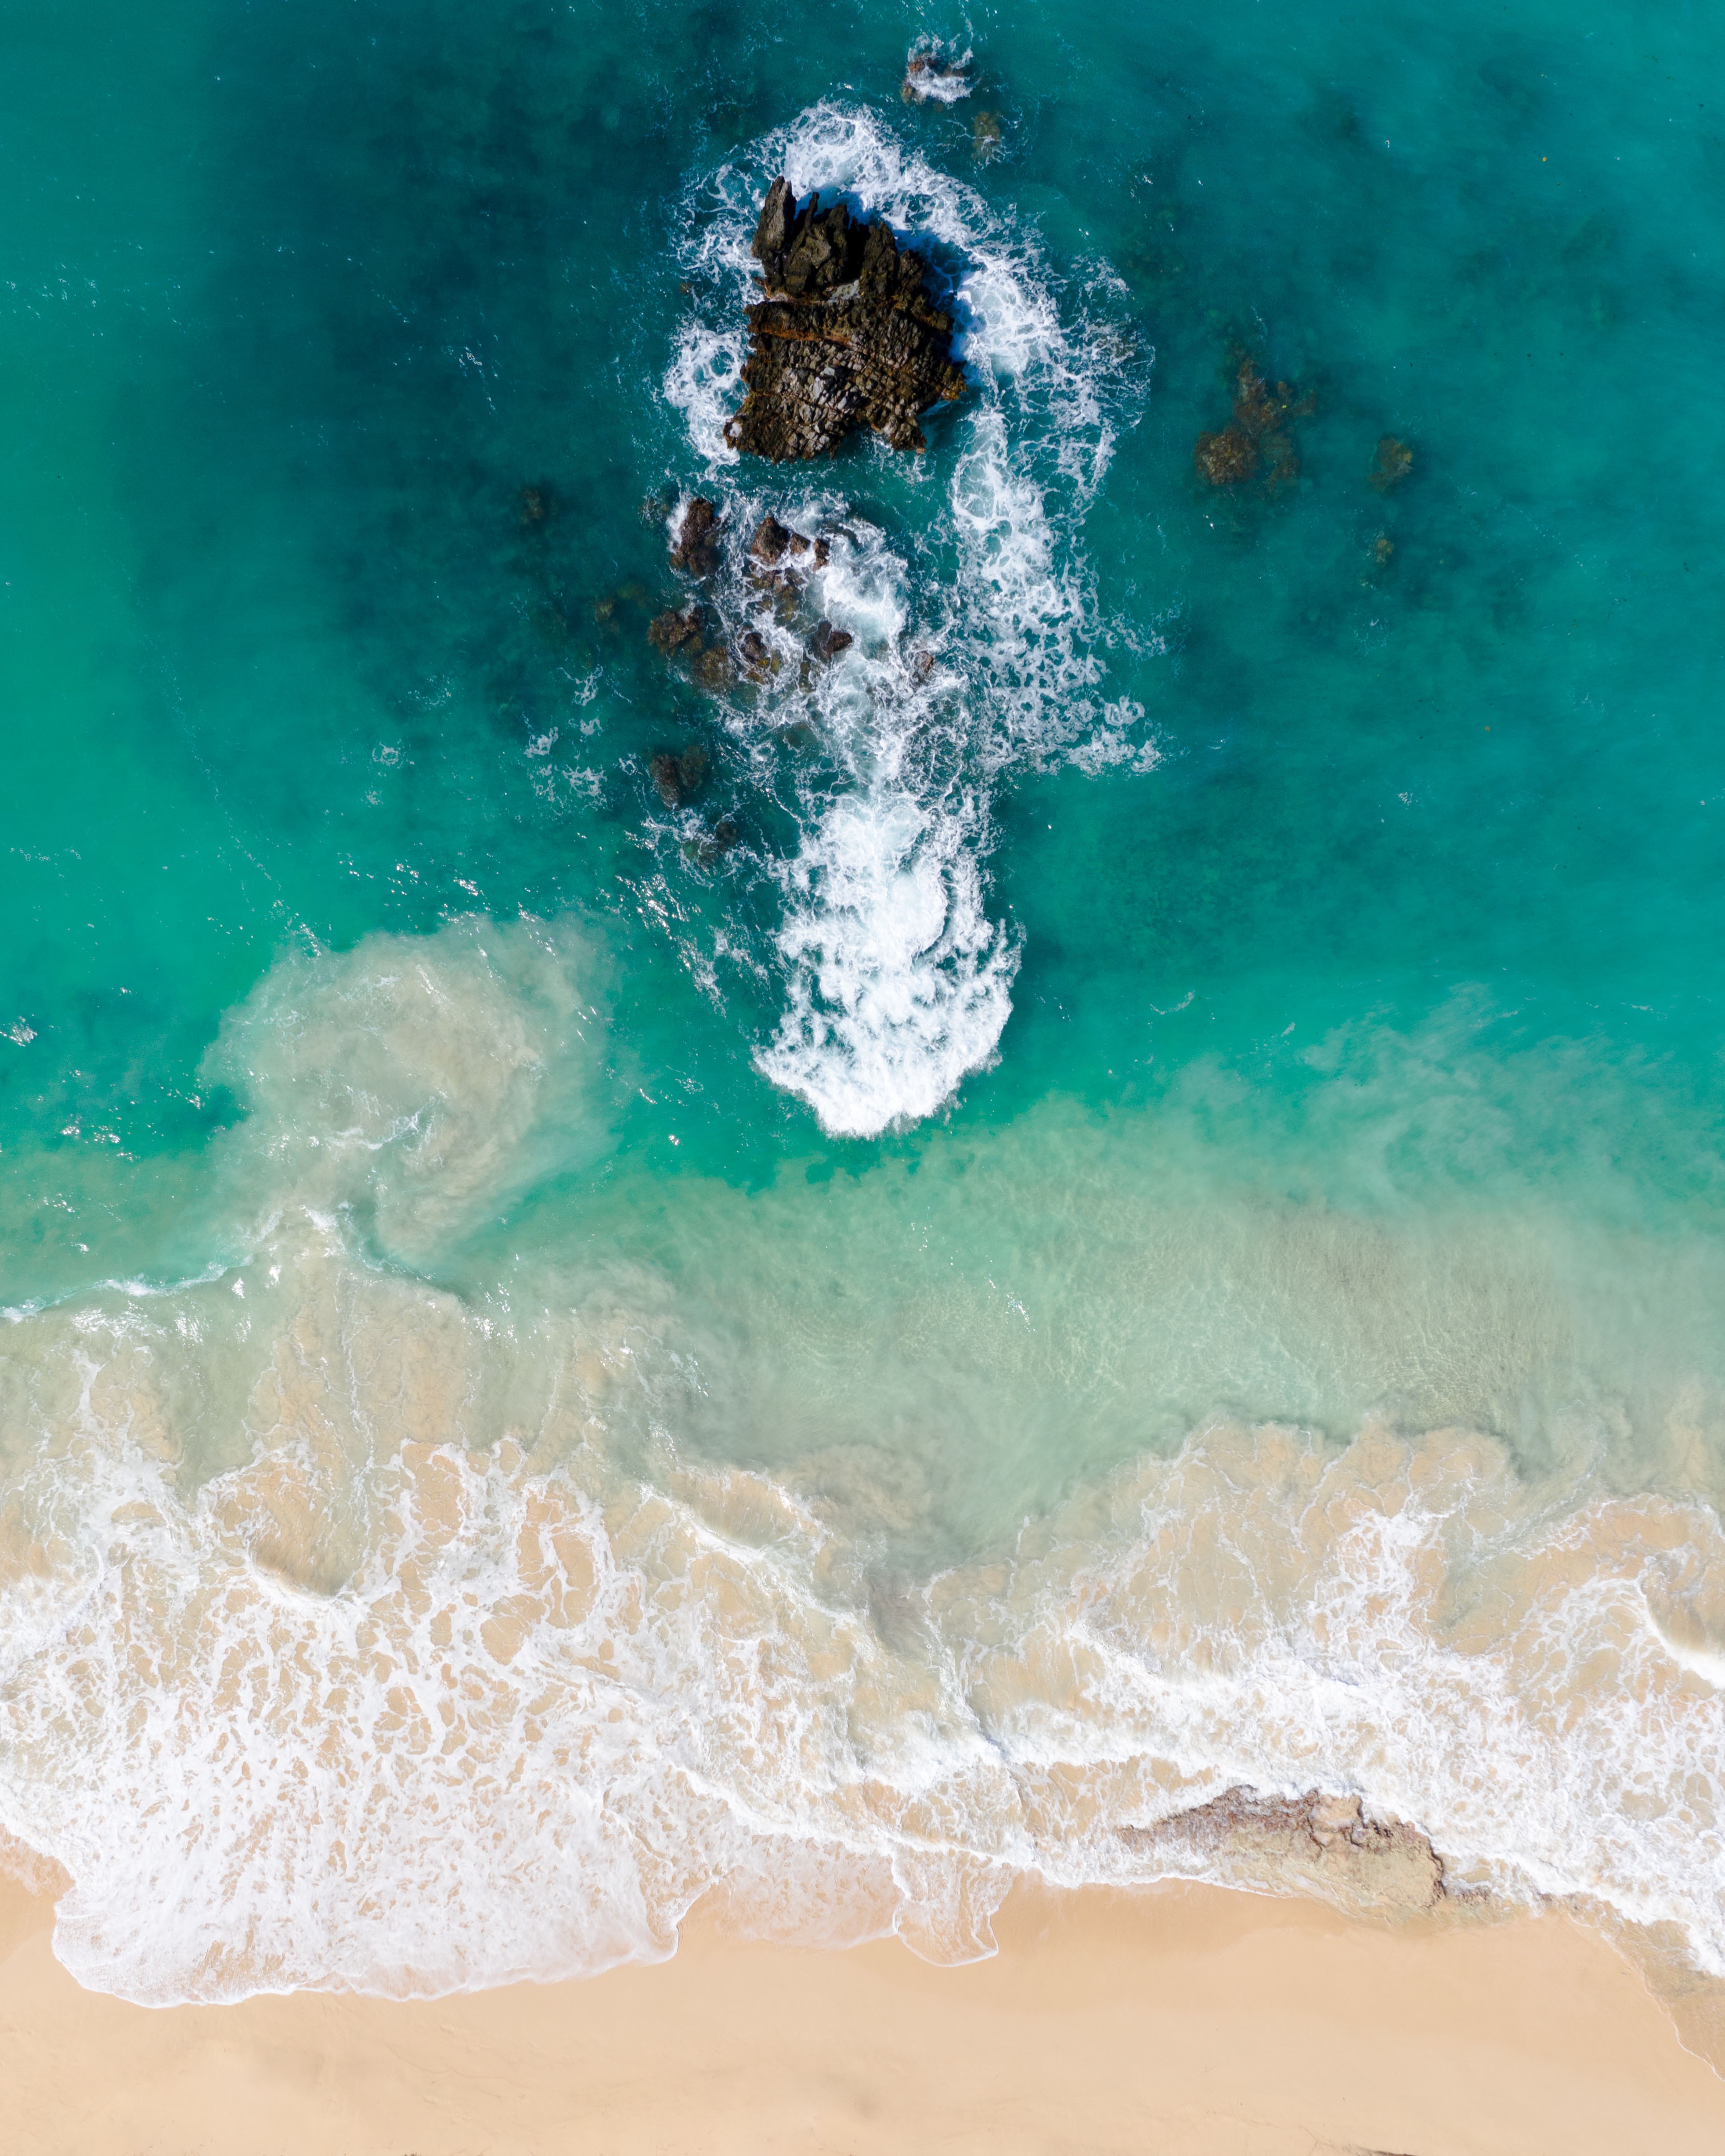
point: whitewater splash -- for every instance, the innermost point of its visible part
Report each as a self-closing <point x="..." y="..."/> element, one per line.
<point x="976" y="649"/>
<point x="937" y="74"/>
<point x="353" y="1634"/>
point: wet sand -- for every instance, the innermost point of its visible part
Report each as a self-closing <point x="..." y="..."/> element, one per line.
<point x="1186" y="2021"/>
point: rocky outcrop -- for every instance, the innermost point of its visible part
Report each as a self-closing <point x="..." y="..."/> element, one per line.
<point x="696" y="548"/>
<point x="1384" y="1866"/>
<point x="773" y="541"/>
<point x="847" y="336"/>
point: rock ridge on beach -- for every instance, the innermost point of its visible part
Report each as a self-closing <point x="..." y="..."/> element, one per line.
<point x="1385" y="1866"/>
<point x="847" y="336"/>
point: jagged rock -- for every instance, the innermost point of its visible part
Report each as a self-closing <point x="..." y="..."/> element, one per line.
<point x="696" y="547"/>
<point x="770" y="540"/>
<point x="673" y="631"/>
<point x="828" y="642"/>
<point x="847" y="336"/>
<point x="1391" y="463"/>
<point x="677" y="777"/>
<point x="773" y="228"/>
<point x="756" y="653"/>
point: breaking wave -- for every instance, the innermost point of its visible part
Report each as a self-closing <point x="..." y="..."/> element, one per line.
<point x="354" y="1634"/>
<point x="977" y="638"/>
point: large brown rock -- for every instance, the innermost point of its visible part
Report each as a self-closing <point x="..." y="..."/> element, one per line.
<point x="696" y="547"/>
<point x="847" y="336"/>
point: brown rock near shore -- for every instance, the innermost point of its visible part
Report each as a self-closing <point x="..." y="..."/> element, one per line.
<point x="1382" y="1867"/>
<point x="846" y="337"/>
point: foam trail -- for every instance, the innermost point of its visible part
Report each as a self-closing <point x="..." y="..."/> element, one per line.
<point x="899" y="983"/>
<point x="971" y="665"/>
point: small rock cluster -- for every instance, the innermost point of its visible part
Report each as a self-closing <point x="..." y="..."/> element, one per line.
<point x="775" y="562"/>
<point x="847" y="336"/>
<point x="687" y="633"/>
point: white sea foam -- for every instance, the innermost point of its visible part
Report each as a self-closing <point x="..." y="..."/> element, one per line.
<point x="937" y="74"/>
<point x="897" y="984"/>
<point x="339" y="1645"/>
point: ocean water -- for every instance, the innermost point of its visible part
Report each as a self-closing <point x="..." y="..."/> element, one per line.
<point x="1154" y="1226"/>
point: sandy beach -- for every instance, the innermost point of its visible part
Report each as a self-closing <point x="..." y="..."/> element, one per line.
<point x="1189" y="2021"/>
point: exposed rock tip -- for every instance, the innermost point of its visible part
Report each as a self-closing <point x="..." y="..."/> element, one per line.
<point x="771" y="540"/>
<point x="847" y="336"/>
<point x="696" y="547"/>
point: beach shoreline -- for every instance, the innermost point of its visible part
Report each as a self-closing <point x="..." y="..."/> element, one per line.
<point x="1192" y="2020"/>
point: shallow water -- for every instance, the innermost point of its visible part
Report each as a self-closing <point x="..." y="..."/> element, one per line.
<point x="1154" y="1224"/>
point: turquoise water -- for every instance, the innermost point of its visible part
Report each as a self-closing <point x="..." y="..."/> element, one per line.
<point x="1155" y="1221"/>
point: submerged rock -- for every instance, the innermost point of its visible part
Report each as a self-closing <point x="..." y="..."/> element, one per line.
<point x="1391" y="463"/>
<point x="677" y="777"/>
<point x="1227" y="457"/>
<point x="847" y="336"/>
<point x="1258" y="437"/>
<point x="713" y="669"/>
<point x="712" y="845"/>
<point x="674" y="631"/>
